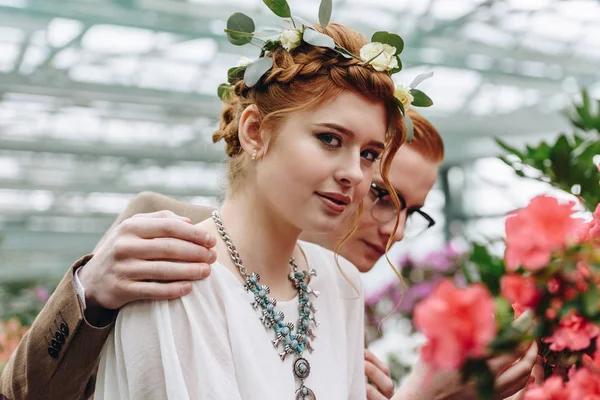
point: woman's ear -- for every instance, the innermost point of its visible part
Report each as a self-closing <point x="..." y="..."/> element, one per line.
<point x="250" y="134"/>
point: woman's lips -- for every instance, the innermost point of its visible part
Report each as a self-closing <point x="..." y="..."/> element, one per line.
<point x="334" y="201"/>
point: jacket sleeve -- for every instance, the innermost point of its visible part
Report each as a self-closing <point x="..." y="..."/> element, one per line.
<point x="58" y="356"/>
<point x="42" y="369"/>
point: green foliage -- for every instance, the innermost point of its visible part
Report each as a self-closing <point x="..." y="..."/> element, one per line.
<point x="240" y="29"/>
<point x="567" y="163"/>
<point x="420" y="98"/>
<point x="488" y="269"/>
<point x="389" y="38"/>
<point x="279" y="7"/>
<point x="325" y="12"/>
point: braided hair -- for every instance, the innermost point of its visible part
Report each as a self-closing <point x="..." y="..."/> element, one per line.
<point x="304" y="78"/>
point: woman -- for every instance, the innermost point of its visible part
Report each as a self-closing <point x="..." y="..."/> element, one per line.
<point x="302" y="150"/>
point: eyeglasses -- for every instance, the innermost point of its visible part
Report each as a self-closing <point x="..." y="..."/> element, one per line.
<point x="384" y="210"/>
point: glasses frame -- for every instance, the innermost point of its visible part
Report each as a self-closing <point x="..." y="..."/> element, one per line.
<point x="382" y="192"/>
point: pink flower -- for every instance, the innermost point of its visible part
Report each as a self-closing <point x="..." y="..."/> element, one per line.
<point x="536" y="231"/>
<point x="42" y="294"/>
<point x="458" y="323"/>
<point x="573" y="333"/>
<point x="584" y="385"/>
<point x="553" y="389"/>
<point x="595" y="226"/>
<point x="520" y="289"/>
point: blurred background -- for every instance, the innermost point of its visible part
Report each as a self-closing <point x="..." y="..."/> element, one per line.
<point x="102" y="99"/>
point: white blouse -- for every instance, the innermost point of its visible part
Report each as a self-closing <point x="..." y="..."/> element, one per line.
<point x="210" y="344"/>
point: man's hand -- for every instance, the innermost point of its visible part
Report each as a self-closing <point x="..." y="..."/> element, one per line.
<point x="147" y="256"/>
<point x="381" y="386"/>
<point x="511" y="371"/>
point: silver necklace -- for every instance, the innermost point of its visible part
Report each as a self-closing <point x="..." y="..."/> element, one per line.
<point x="291" y="342"/>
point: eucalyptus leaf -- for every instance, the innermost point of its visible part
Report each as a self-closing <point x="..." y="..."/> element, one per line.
<point x="419" y="79"/>
<point x="410" y="127"/>
<point x="235" y="74"/>
<point x="325" y="12"/>
<point x="240" y="29"/>
<point x="256" y="70"/>
<point x="279" y="7"/>
<point x="389" y="38"/>
<point x="400" y="106"/>
<point x="224" y="92"/>
<point x="318" y="39"/>
<point x="420" y="98"/>
<point x="301" y="21"/>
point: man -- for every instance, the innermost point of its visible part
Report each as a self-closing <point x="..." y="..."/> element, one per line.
<point x="59" y="355"/>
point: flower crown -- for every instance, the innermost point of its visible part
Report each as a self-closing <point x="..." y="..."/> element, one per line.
<point x="382" y="54"/>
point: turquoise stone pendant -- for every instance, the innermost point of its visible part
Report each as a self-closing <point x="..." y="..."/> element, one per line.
<point x="302" y="370"/>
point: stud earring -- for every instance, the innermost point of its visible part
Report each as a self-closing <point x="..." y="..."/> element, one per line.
<point x="254" y="154"/>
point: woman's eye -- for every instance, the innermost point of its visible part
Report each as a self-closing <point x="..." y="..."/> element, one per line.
<point x="330" y="139"/>
<point x="370" y="155"/>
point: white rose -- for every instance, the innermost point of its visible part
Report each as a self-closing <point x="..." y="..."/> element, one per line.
<point x="405" y="97"/>
<point x="244" y="62"/>
<point x="290" y="39"/>
<point x="385" y="61"/>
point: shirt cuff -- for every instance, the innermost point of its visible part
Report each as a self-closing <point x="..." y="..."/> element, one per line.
<point x="79" y="288"/>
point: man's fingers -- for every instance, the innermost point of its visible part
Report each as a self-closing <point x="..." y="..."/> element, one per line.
<point x="502" y="362"/>
<point x="167" y="271"/>
<point x="517" y="376"/>
<point x="526" y="359"/>
<point x="374" y="394"/>
<point x="156" y="290"/>
<point x="161" y="214"/>
<point x="151" y="228"/>
<point x="514" y="388"/>
<point x="369" y="356"/>
<point x="379" y="379"/>
<point x="170" y="249"/>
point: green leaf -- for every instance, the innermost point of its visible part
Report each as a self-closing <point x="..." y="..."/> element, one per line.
<point x="400" y="106"/>
<point x="318" y="39"/>
<point x="325" y="12"/>
<point x="484" y="380"/>
<point x="590" y="301"/>
<point x="389" y="38"/>
<point x="224" y="92"/>
<point x="279" y="7"/>
<point x="508" y="148"/>
<point x="235" y="74"/>
<point x="421" y="99"/>
<point x="256" y="70"/>
<point x="240" y="29"/>
<point x="398" y="68"/>
<point x="490" y="268"/>
<point x="410" y="127"/>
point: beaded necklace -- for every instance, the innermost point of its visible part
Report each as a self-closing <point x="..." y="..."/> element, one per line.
<point x="287" y="339"/>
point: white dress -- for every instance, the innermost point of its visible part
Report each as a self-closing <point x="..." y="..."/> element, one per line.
<point x="210" y="344"/>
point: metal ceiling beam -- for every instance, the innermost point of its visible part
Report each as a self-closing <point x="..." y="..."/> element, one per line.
<point x="83" y="187"/>
<point x="60" y="85"/>
<point x="195" y="21"/>
<point x="209" y="153"/>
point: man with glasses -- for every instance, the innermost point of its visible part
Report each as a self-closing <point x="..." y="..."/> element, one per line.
<point x="58" y="357"/>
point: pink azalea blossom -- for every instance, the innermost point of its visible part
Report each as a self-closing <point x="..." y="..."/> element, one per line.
<point x="520" y="289"/>
<point x="536" y="231"/>
<point x="573" y="333"/>
<point x="553" y="389"/>
<point x="458" y="323"/>
<point x="583" y="385"/>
